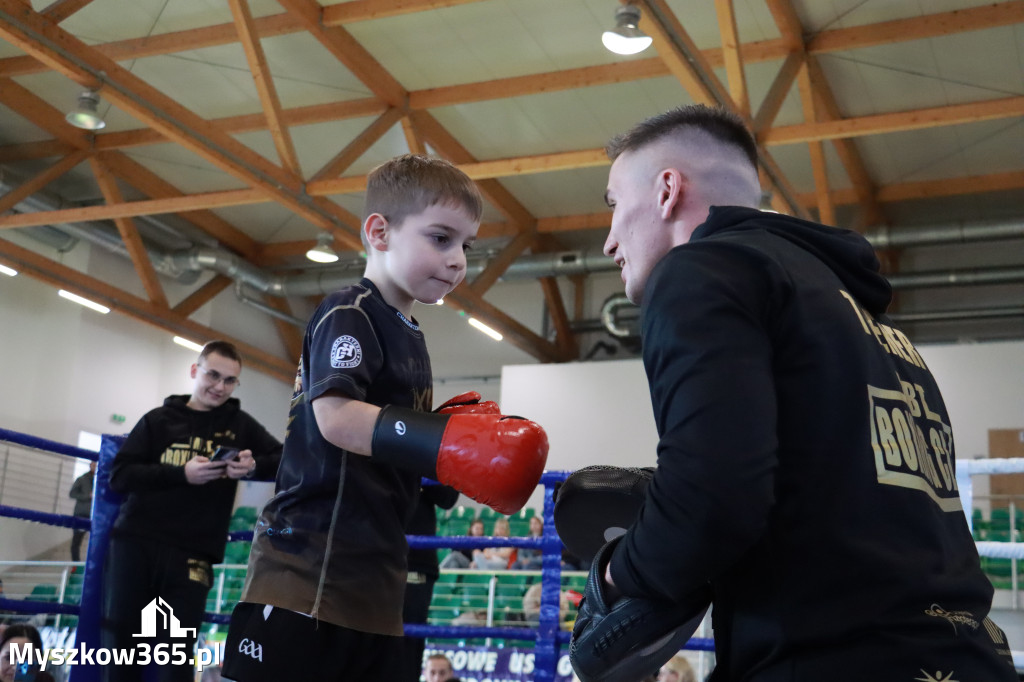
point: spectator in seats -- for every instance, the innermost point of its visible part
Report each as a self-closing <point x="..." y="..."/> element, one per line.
<point x="531" y="605"/>
<point x="678" y="669"/>
<point x="462" y="558"/>
<point x="81" y="493"/>
<point x="423" y="572"/>
<point x="494" y="558"/>
<point x="173" y="524"/>
<point x="20" y="634"/>
<point x="438" y="668"/>
<point x="531" y="559"/>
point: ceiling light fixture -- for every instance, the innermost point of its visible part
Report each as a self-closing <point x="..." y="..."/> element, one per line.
<point x="322" y="252"/>
<point x="84" y="301"/>
<point x="485" y="329"/>
<point x="626" y="38"/>
<point x="191" y="345"/>
<point x="10" y="272"/>
<point x="86" y="115"/>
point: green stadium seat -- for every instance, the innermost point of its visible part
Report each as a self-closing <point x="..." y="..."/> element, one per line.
<point x="488" y="514"/>
<point x="461" y="513"/>
<point x="523" y="514"/>
<point x="237" y="552"/>
<point x="43" y="593"/>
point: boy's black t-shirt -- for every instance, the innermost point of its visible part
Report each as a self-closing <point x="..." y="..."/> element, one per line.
<point x="331" y="542"/>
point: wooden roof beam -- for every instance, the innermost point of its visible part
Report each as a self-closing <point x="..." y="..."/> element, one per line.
<point x="564" y="338"/>
<point x="470" y="303"/>
<point x="358" y="146"/>
<point x="849" y="155"/>
<point x="735" y="76"/>
<point x="203" y="295"/>
<point x="59" y="10"/>
<point x="152" y="185"/>
<point x="265" y="87"/>
<point x="348" y="51"/>
<point x="130" y="235"/>
<point x="412" y="136"/>
<point x="34" y="34"/>
<point x="40" y="180"/>
<point x="826" y="210"/>
<point x="498" y="265"/>
<point x="878" y="124"/>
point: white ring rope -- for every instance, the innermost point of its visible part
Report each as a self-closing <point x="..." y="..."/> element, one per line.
<point x="997" y="465"/>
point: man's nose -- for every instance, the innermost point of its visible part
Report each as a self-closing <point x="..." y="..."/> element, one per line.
<point x="610" y="246"/>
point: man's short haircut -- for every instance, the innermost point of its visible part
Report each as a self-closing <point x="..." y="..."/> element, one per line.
<point x="224" y="348"/>
<point x="719" y="123"/>
<point x="411" y="183"/>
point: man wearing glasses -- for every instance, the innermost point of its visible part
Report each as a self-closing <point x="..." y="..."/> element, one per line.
<point x="178" y="470"/>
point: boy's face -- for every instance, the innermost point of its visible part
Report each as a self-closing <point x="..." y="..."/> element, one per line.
<point x="438" y="670"/>
<point x="424" y="258"/>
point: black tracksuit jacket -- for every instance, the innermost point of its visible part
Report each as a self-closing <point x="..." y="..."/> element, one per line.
<point x="805" y="466"/>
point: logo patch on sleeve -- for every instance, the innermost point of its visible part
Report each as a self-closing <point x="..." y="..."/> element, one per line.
<point x="346" y="353"/>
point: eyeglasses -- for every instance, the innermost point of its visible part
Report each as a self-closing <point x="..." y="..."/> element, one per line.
<point x="216" y="377"/>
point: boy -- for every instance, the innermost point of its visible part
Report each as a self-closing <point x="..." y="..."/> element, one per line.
<point x="327" y="569"/>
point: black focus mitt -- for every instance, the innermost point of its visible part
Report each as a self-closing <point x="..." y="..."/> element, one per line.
<point x="632" y="638"/>
<point x="596" y="504"/>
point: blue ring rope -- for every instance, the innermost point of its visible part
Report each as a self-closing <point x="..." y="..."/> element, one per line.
<point x="547" y="636"/>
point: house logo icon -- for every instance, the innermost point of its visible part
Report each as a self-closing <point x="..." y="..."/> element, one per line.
<point x="158" y="615"/>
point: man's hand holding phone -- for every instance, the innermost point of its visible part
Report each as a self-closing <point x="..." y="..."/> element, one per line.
<point x="225" y="462"/>
<point x="241" y="466"/>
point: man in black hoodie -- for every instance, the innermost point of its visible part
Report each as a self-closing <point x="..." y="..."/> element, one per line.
<point x="173" y="523"/>
<point x="805" y="462"/>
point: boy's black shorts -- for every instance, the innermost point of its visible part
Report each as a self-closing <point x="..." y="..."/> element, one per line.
<point x="267" y="644"/>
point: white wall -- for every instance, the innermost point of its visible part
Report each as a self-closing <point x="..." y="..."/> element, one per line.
<point x="66" y="369"/>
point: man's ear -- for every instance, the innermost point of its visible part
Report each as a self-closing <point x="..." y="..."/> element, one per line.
<point x="671" y="190"/>
<point x="192" y="372"/>
<point x="376" y="230"/>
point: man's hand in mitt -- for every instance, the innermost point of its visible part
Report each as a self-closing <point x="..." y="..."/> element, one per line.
<point x="631" y="638"/>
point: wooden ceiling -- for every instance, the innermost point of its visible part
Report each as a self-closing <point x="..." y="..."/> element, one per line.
<point x="768" y="60"/>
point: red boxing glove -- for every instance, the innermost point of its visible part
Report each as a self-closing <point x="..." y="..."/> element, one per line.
<point x="492" y="458"/>
<point x="468" y="403"/>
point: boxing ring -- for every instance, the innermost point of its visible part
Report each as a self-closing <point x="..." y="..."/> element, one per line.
<point x="546" y="639"/>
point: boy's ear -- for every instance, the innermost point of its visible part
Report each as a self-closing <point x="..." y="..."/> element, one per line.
<point x="376" y="230"/>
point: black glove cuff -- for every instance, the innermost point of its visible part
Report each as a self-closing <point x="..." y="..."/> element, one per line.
<point x="408" y="439"/>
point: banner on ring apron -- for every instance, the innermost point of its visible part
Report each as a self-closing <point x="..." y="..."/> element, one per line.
<point x="489" y="664"/>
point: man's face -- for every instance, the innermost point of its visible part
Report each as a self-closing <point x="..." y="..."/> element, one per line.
<point x="438" y="670"/>
<point x="638" y="237"/>
<point x="216" y="378"/>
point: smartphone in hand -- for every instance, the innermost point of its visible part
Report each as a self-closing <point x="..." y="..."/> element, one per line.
<point x="224" y="454"/>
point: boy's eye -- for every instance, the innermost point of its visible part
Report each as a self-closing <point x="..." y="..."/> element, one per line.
<point x="441" y="238"/>
<point x="467" y="247"/>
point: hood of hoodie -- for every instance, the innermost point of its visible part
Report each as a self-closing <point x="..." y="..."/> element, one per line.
<point x="845" y="252"/>
<point x="180" y="403"/>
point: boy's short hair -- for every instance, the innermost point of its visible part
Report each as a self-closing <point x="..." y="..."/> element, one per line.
<point x="441" y="657"/>
<point x="224" y="348"/>
<point x="719" y="123"/>
<point x="410" y="183"/>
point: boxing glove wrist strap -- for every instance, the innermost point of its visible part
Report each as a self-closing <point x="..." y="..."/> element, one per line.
<point x="408" y="439"/>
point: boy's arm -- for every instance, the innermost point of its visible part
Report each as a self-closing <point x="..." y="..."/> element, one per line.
<point x="346" y="422"/>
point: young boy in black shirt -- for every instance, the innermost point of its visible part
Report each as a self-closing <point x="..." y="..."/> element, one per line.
<point x="327" y="570"/>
